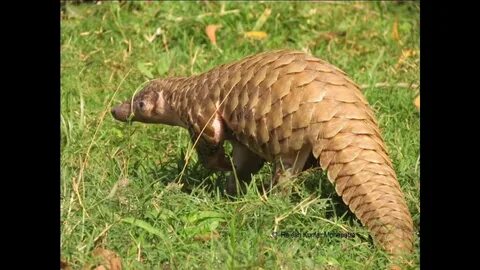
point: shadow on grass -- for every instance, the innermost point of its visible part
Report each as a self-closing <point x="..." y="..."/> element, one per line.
<point x="313" y="181"/>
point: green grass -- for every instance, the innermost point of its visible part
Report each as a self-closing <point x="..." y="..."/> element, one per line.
<point x="119" y="188"/>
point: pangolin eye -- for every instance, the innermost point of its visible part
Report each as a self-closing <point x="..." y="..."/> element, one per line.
<point x="141" y="104"/>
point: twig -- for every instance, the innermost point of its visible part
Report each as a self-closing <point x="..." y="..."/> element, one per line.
<point x="302" y="206"/>
<point x="384" y="84"/>
<point x="222" y="13"/>
<point x="190" y="152"/>
<point x="194" y="59"/>
<point x="102" y="233"/>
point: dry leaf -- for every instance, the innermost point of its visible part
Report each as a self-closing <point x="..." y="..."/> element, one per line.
<point x="108" y="259"/>
<point x="331" y="35"/>
<point x="417" y="102"/>
<point x="258" y="35"/>
<point x="64" y="265"/>
<point x="395" y="267"/>
<point x="207" y="236"/>
<point x="210" y="30"/>
<point x="395" y="34"/>
<point x="405" y="55"/>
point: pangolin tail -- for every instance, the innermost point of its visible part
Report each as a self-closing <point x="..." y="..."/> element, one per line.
<point x="352" y="152"/>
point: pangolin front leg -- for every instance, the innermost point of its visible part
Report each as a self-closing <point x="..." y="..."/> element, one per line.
<point x="211" y="153"/>
<point x="289" y="166"/>
<point x="246" y="163"/>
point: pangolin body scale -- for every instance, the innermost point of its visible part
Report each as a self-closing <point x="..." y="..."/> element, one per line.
<point x="278" y="103"/>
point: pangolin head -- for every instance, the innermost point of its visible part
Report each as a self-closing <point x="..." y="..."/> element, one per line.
<point x="147" y="106"/>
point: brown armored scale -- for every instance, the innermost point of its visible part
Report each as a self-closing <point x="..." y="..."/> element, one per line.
<point x="294" y="110"/>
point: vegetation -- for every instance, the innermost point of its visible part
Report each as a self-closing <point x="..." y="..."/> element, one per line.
<point x="120" y="187"/>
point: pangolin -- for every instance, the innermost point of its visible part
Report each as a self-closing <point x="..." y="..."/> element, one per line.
<point x="294" y="110"/>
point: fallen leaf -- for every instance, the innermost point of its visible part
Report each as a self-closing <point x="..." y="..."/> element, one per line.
<point x="207" y="236"/>
<point x="107" y="259"/>
<point x="263" y="18"/>
<point x="395" y="267"/>
<point x="64" y="265"/>
<point x="331" y="35"/>
<point x="404" y="56"/>
<point x="210" y="30"/>
<point x="395" y="34"/>
<point x="417" y="102"/>
<point x="258" y="35"/>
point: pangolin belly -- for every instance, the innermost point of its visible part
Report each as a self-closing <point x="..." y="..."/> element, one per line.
<point x="277" y="102"/>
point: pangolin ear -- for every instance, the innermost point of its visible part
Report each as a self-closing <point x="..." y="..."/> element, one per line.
<point x="166" y="113"/>
<point x="162" y="106"/>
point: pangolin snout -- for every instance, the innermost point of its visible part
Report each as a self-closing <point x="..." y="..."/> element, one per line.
<point x="121" y="112"/>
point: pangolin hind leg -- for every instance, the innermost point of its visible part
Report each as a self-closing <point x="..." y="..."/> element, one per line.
<point x="289" y="166"/>
<point x="246" y="163"/>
